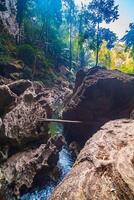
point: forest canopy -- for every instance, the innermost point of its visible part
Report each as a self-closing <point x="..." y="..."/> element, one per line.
<point x="59" y="32"/>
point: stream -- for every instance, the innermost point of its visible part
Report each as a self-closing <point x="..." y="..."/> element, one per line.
<point x="64" y="164"/>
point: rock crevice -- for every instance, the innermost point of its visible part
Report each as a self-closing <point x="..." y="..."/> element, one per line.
<point x="26" y="147"/>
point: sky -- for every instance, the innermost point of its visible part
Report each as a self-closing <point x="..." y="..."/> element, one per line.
<point x="126" y="12"/>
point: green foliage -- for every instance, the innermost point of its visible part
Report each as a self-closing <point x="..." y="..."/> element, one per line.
<point x="21" y="7"/>
<point x="7" y="48"/>
<point x="27" y="73"/>
<point x="26" y="53"/>
<point x="117" y="58"/>
<point x="56" y="32"/>
<point x="129" y="39"/>
<point x="54" y="129"/>
<point x="6" y="59"/>
<point x="102" y="11"/>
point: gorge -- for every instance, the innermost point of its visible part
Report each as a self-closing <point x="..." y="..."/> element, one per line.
<point x="66" y="102"/>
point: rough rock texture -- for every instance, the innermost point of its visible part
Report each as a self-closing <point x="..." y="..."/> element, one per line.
<point x="104" y="169"/>
<point x="26" y="149"/>
<point x="7" y="99"/>
<point x="102" y="96"/>
<point x="79" y="78"/>
<point x="19" y="171"/>
<point x="8" y="16"/>
<point x="22" y="123"/>
<point x="19" y="87"/>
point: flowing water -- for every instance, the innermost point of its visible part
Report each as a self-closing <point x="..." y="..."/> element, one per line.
<point x="64" y="164"/>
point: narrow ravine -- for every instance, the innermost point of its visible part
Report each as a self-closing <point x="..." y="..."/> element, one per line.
<point x="64" y="164"/>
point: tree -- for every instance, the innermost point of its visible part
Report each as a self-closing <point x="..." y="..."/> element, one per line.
<point x="70" y="16"/>
<point x="108" y="39"/>
<point x="82" y="26"/>
<point x="108" y="36"/>
<point x="101" y="11"/>
<point x="129" y="39"/>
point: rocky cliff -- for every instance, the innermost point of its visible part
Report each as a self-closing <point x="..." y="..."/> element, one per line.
<point x="8" y="16"/>
<point x="26" y="147"/>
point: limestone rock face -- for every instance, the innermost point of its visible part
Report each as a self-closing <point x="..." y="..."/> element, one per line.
<point x="8" y="16"/>
<point x="100" y="96"/>
<point x="104" y="169"/>
<point x="19" y="170"/>
<point x="22" y="123"/>
<point x="26" y="147"/>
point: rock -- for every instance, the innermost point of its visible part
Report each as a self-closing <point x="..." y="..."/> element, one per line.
<point x="75" y="148"/>
<point x="4" y="81"/>
<point x="3" y="153"/>
<point x="19" y="87"/>
<point x="79" y="78"/>
<point x="8" y="69"/>
<point x="22" y="124"/>
<point x="104" y="169"/>
<point x="21" y="170"/>
<point x="103" y="95"/>
<point x="7" y="99"/>
<point x="132" y="115"/>
<point x="26" y="150"/>
<point x="8" y="17"/>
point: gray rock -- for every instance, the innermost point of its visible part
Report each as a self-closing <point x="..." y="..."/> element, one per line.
<point x="8" y="17"/>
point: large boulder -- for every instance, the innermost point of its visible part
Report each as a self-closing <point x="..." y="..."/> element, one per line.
<point x="99" y="96"/>
<point x="21" y="170"/>
<point x="23" y="124"/>
<point x="9" y="92"/>
<point x="104" y="169"/>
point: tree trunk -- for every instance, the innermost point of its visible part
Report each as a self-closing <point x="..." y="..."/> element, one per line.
<point x="97" y="45"/>
<point x="81" y="49"/>
<point x="70" y="45"/>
